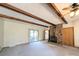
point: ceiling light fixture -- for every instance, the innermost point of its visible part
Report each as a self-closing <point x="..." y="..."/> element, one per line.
<point x="72" y="14"/>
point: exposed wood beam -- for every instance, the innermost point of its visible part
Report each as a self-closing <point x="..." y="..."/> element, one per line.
<point x="8" y="6"/>
<point x="17" y="19"/>
<point x="53" y="7"/>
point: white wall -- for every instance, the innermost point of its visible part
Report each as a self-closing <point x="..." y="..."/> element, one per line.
<point x="1" y="32"/>
<point x="68" y="25"/>
<point x="16" y="32"/>
<point x="76" y="33"/>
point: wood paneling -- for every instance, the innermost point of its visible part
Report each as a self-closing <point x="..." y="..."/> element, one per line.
<point x="53" y="7"/>
<point x="68" y="36"/>
<point x="14" y="18"/>
<point x="8" y="6"/>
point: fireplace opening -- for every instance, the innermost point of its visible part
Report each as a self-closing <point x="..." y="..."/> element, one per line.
<point x="53" y="39"/>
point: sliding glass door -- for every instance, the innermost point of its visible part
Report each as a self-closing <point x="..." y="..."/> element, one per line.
<point x="33" y="35"/>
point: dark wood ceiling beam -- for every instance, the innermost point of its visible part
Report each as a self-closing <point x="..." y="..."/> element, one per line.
<point x="17" y="19"/>
<point x="8" y="6"/>
<point x="53" y="7"/>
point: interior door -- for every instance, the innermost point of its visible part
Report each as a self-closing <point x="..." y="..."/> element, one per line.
<point x="33" y="35"/>
<point x="68" y="36"/>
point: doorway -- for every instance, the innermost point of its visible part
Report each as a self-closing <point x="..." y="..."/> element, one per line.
<point x="46" y="35"/>
<point x="68" y="36"/>
<point x="33" y="35"/>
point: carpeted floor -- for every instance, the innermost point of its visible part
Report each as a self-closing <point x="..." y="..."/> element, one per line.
<point x="40" y="49"/>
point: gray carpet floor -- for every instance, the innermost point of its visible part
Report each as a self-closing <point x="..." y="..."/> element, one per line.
<point x="40" y="49"/>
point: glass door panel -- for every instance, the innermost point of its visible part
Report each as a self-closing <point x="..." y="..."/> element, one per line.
<point x="33" y="35"/>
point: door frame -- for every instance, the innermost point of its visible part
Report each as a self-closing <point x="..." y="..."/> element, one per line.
<point x="29" y="35"/>
<point x="73" y="35"/>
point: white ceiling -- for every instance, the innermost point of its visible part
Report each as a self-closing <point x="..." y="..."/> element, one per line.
<point x="60" y="6"/>
<point x="38" y="9"/>
<point x="20" y="16"/>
